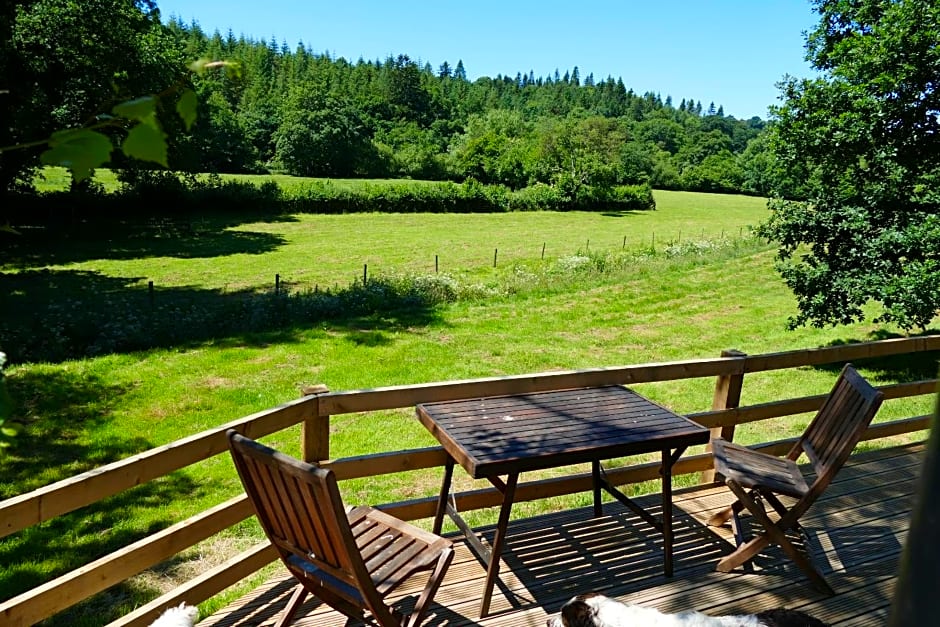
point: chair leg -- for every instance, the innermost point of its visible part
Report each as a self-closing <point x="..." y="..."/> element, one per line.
<point x="746" y="550"/>
<point x="744" y="553"/>
<point x="719" y="518"/>
<point x="296" y="600"/>
<point x="775" y="502"/>
<point x="434" y="582"/>
<point x="773" y="532"/>
<point x="801" y="560"/>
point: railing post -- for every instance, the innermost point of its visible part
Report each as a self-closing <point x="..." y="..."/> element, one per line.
<point x="315" y="436"/>
<point x="727" y="396"/>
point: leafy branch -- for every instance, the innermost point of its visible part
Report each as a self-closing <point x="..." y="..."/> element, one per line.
<point x="83" y="149"/>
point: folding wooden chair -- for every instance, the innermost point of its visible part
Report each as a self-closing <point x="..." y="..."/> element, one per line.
<point x="350" y="558"/>
<point x="756" y="477"/>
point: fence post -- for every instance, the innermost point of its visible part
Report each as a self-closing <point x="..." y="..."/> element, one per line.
<point x="727" y="396"/>
<point x="315" y="435"/>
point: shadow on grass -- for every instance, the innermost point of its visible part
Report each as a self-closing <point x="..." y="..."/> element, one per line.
<point x="54" y="315"/>
<point x="901" y="368"/>
<point x="61" y="406"/>
<point x="58" y="407"/>
<point x="43" y="552"/>
<point x="624" y="213"/>
<point x="179" y="237"/>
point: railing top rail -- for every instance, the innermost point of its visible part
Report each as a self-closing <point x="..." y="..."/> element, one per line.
<point x="372" y="399"/>
<point x="391" y="397"/>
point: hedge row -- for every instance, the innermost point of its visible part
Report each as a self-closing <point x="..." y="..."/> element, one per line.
<point x="162" y="193"/>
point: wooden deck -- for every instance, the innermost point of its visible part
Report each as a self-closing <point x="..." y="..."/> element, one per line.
<point x="856" y="533"/>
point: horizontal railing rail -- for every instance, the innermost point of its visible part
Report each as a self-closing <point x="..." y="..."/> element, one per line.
<point x="314" y="412"/>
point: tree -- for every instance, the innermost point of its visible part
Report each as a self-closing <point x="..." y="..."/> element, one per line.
<point x="321" y="136"/>
<point x="220" y="142"/>
<point x="581" y="152"/>
<point x="494" y="148"/>
<point x="865" y="138"/>
<point x="65" y="62"/>
<point x="403" y="92"/>
<point x="459" y="72"/>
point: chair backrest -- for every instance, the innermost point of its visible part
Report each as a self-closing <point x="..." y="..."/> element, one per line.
<point x="302" y="513"/>
<point x="838" y="426"/>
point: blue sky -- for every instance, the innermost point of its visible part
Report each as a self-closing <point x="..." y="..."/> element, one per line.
<point x="730" y="52"/>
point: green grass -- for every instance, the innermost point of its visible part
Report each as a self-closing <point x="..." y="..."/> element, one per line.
<point x="307" y="250"/>
<point x="83" y="413"/>
<point x="54" y="179"/>
<point x="57" y="179"/>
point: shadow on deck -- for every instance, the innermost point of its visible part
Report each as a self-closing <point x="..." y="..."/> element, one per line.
<point x="856" y="532"/>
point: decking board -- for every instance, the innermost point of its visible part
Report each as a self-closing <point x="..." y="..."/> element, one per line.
<point x="857" y="530"/>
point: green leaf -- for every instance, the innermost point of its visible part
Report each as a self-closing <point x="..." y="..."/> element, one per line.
<point x="186" y="107"/>
<point x="146" y="142"/>
<point x="199" y="65"/>
<point x="8" y="431"/>
<point x="140" y="109"/>
<point x="80" y="150"/>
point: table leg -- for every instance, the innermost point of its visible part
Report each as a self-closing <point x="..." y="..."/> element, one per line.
<point x="445" y="492"/>
<point x="492" y="570"/>
<point x="596" y="476"/>
<point x="667" y="512"/>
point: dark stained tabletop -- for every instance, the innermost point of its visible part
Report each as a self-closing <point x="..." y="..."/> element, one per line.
<point x="499" y="435"/>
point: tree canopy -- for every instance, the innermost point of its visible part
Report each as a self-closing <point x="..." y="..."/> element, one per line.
<point x="55" y="79"/>
<point x="298" y="111"/>
<point x="862" y="142"/>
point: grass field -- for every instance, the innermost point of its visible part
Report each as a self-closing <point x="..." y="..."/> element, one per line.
<point x="54" y="179"/>
<point x="223" y="252"/>
<point x="83" y="413"/>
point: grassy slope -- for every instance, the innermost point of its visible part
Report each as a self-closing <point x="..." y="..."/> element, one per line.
<point x="52" y="179"/>
<point x="332" y="249"/>
<point x="88" y="412"/>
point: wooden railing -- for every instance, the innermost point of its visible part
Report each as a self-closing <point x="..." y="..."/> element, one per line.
<point x="313" y="411"/>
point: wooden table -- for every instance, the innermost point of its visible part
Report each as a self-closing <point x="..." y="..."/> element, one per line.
<point x="508" y="435"/>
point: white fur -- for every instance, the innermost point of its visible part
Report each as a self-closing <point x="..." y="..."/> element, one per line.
<point x="607" y="612"/>
<point x="181" y="616"/>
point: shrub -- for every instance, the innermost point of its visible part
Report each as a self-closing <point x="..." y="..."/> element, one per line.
<point x="163" y="193"/>
<point x="537" y="197"/>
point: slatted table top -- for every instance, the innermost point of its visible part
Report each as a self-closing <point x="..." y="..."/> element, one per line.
<point x="507" y="434"/>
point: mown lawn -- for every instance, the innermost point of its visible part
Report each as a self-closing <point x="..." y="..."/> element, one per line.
<point x="223" y="251"/>
<point x="83" y="413"/>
